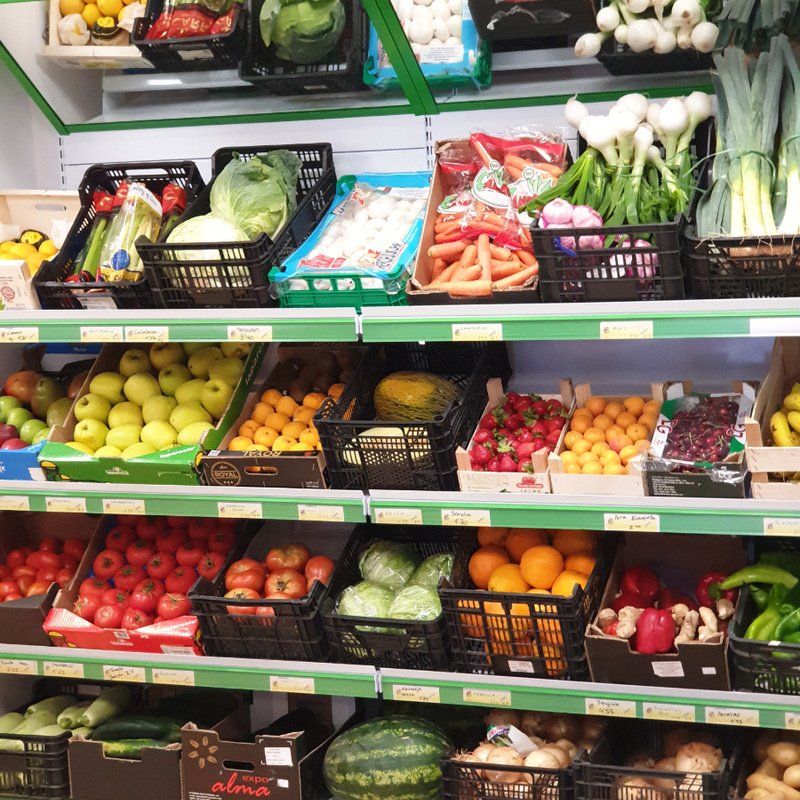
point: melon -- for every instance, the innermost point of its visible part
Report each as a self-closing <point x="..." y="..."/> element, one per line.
<point x="410" y="396"/>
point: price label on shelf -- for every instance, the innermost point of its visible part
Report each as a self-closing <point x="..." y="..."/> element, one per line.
<point x="627" y="329"/>
<point x="21" y="335"/>
<point x="124" y="672"/>
<point x="669" y="712"/>
<point x="639" y="523"/>
<point x="605" y="707"/>
<point x="62" y="669"/>
<point x="12" y="502"/>
<point x="101" y="334"/>
<point x="239" y="510"/>
<point x="466" y="517"/>
<point x="478" y="332"/>
<point x="320" y="513"/>
<point x="16" y="666"/>
<point x="398" y="516"/>
<point x="781" y="526"/>
<point x="249" y="333"/>
<point x="775" y="326"/>
<point x="739" y="717"/>
<point x="146" y="333"/>
<point x="416" y="694"/>
<point x="173" y="677"/>
<point x="286" y="683"/>
<point x="67" y="505"/>
<point x="791" y="721"/>
<point x="121" y="505"/>
<point x="486" y="697"/>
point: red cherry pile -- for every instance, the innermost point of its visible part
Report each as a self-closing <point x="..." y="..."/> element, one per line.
<point x="28" y="572"/>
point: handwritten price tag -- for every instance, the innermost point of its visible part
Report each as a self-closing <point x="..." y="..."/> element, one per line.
<point x="173" y="677"/>
<point x="15" y="666"/>
<point x="627" y="329"/>
<point x="671" y="712"/>
<point x="62" y="669"/>
<point x="478" y="332"/>
<point x="640" y="523"/>
<point x="466" y="517"/>
<point x="121" y="672"/>
<point x="67" y="505"/>
<point x="740" y="717"/>
<point x="398" y="516"/>
<point x="320" y="513"/>
<point x="122" y="506"/>
<point x="149" y="333"/>
<point x="239" y="510"/>
<point x="10" y="502"/>
<point x="101" y="334"/>
<point x="249" y="333"/>
<point x="19" y="335"/>
<point x="602" y="707"/>
<point x="281" y="683"/>
<point x="416" y="694"/>
<point x="781" y="526"/>
<point x="486" y="697"/>
<point x="792" y="721"/>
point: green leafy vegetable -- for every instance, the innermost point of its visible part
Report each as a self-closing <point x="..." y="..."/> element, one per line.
<point x="206" y="229"/>
<point x="303" y="32"/>
<point x="416" y="602"/>
<point x="432" y="570"/>
<point x="365" y="599"/>
<point x="389" y="563"/>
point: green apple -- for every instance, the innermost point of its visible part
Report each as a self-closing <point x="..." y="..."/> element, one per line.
<point x="18" y="417"/>
<point x="45" y="393"/>
<point x="141" y="386"/>
<point x="58" y="411"/>
<point x="191" y="390"/>
<point x="235" y="349"/>
<point x="107" y="451"/>
<point x="125" y="414"/>
<point x="138" y="449"/>
<point x="172" y="376"/>
<point x="82" y="447"/>
<point x="92" y="406"/>
<point x="159" y="434"/>
<point x="215" y="397"/>
<point x="193" y="433"/>
<point x="190" y="348"/>
<point x="41" y="436"/>
<point x="109" y="385"/>
<point x="227" y="369"/>
<point x="158" y="408"/>
<point x="90" y="432"/>
<point x="202" y="360"/>
<point x="124" y="435"/>
<point x="186" y="413"/>
<point x="165" y="353"/>
<point x="7" y="405"/>
<point x="134" y="361"/>
<point x="30" y="428"/>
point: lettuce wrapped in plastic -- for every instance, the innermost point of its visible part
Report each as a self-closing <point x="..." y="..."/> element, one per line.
<point x="365" y="599"/>
<point x="416" y="602"/>
<point x="303" y="31"/>
<point x="432" y="570"/>
<point x="389" y="563"/>
<point x="201" y="230"/>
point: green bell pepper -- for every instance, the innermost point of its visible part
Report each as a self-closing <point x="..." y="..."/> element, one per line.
<point x="760" y="596"/>
<point x="763" y="627"/>
<point x="760" y="573"/>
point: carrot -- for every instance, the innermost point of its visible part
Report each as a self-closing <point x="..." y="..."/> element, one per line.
<point x="467" y="260"/>
<point x="439" y="266"/>
<point x="492" y="218"/>
<point x="472" y="273"/>
<point x="484" y="257"/>
<point x="447" y="226"/>
<point x="500" y="253"/>
<point x="467" y="288"/>
<point x="515" y="173"/>
<point x="450" y="250"/>
<point x="445" y="276"/>
<point x="479" y="208"/>
<point x="517" y="162"/>
<point x="504" y="269"/>
<point x="517" y="279"/>
<point x="526" y="258"/>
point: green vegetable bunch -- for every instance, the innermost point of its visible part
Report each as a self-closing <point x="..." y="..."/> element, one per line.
<point x="303" y="31"/>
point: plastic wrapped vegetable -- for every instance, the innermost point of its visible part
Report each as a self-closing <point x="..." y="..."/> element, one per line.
<point x="389" y="563"/>
<point x="432" y="570"/>
<point x="201" y="230"/>
<point x="366" y="599"/>
<point x="303" y="32"/>
<point x="416" y="602"/>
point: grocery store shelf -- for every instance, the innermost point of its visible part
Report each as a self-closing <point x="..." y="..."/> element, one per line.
<point x="187" y="670"/>
<point x="678" y="319"/>
<point x="202" y="325"/>
<point x="602" y="699"/>
<point x="187" y="501"/>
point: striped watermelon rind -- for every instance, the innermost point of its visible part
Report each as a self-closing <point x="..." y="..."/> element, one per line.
<point x="389" y="758"/>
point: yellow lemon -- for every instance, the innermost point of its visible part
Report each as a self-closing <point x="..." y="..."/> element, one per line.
<point x="260" y="448"/>
<point x="309" y="436"/>
<point x="302" y="446"/>
<point x="6" y="246"/>
<point x="90" y="15"/>
<point x="70" y="7"/>
<point x="34" y="262"/>
<point x="240" y="443"/>
<point x="110" y="8"/>
<point x="22" y="251"/>
<point x="284" y="443"/>
<point x="293" y="429"/>
<point x="48" y="246"/>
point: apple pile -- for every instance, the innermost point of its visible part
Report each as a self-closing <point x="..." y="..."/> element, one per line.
<point x="31" y="405"/>
<point x="27" y="572"/>
<point x="157" y="400"/>
<point x="287" y="573"/>
<point x="147" y="568"/>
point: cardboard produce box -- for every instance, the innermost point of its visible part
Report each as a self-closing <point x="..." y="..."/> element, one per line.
<point x="177" y="466"/>
<point x="21" y="620"/>
<point x="695" y="665"/>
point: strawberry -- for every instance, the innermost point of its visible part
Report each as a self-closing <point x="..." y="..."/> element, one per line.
<point x="525" y="450"/>
<point x="513" y="397"/>
<point x="525" y="466"/>
<point x="507" y="463"/>
<point x="554" y="424"/>
<point x="524" y="435"/>
<point x="480" y="455"/>
<point x="491" y="446"/>
<point x="514" y="421"/>
<point x="550" y="447"/>
<point x="539" y="428"/>
<point x="488" y="422"/>
<point x="554" y="405"/>
<point x="493" y="465"/>
<point x="522" y="405"/>
<point x="482" y="436"/>
<point x="552" y="437"/>
<point x="502" y="433"/>
<point x="540" y="408"/>
<point x="507" y="409"/>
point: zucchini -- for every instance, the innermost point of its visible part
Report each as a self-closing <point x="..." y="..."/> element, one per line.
<point x="85" y="732"/>
<point x="10" y="721"/>
<point x="49" y="730"/>
<point x="135" y="727"/>
<point x="13" y="745"/>
<point x="55" y="705"/>
<point x="112" y="702"/>
<point x="68" y="718"/>
<point x="34" y="722"/>
<point x="131" y="748"/>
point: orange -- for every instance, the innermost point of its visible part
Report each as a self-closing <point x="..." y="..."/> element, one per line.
<point x="580" y="423"/>
<point x="651" y="407"/>
<point x="581" y="447"/>
<point x="592" y="468"/>
<point x="596" y="405"/>
<point x="484" y="562"/>
<point x="521" y="539"/>
<point x="541" y="565"/>
<point x="277" y="421"/>
<point x="599" y="448"/>
<point x="266" y="436"/>
<point x="286" y="406"/>
<point x="248" y="429"/>
<point x="496" y="536"/>
<point x="582" y="561"/>
<point x="473" y="625"/>
<point x="573" y="469"/>
<point x="637" y="432"/>
<point x="615" y="469"/>
<point x="594" y="435"/>
<point x="284" y="443"/>
<point x="498" y="622"/>
<point x="303" y="414"/>
<point x="271" y="396"/>
<point x="508" y="578"/>
<point x="566" y="581"/>
<point x="570" y="438"/>
<point x="257" y="448"/>
<point x="634" y="404"/>
<point x="568" y="457"/>
<point x="602" y="421"/>
<point x="240" y="443"/>
<point x="585" y="458"/>
<point x="309" y="436"/>
<point x="336" y="390"/>
<point x="568" y="542"/>
<point x="314" y="400"/>
<point x="261" y="412"/>
<point x="293" y="429"/>
<point x="625" y="419"/>
<point x="613" y="409"/>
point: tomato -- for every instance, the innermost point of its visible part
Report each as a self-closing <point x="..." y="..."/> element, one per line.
<point x="265" y="611"/>
<point x="189" y="554"/>
<point x="126" y="578"/>
<point x="107" y="563"/>
<point x="74" y="548"/>
<point x="150" y="585"/>
<point x="17" y="573"/>
<point x="174" y="604"/>
<point x="221" y="540"/>
<point x="168" y="541"/>
<point x="69" y="562"/>
<point x="180" y="580"/>
<point x="200" y="529"/>
<point x="160" y="565"/>
<point x="143" y="599"/>
<point x="93" y="587"/>
<point x="120" y="538"/>
<point x="129" y="520"/>
<point x="149" y="527"/>
<point x="108" y="616"/>
<point x="133" y="618"/>
<point x="111" y="596"/>
<point x="12" y="596"/>
<point x="46" y="574"/>
<point x="319" y="569"/>
<point x="15" y="559"/>
<point x="286" y="580"/>
<point x="37" y="587"/>
<point x="140" y="552"/>
<point x="43" y="558"/>
<point x="210" y="565"/>
<point x="8" y="587"/>
<point x="288" y="556"/>
<point x="63" y="577"/>
<point x="5" y="572"/>
<point x="245" y="574"/>
<point x="243" y="594"/>
<point x="51" y="544"/>
<point x="178" y="522"/>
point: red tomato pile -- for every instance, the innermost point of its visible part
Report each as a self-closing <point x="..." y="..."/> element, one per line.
<point x="148" y="567"/>
<point x="28" y="572"/>
<point x="286" y="574"/>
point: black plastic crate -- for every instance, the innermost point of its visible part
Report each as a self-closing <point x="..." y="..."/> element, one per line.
<point x="50" y="280"/>
<point x="190" y="54"/>
<point x="619" y="59"/>
<point x="340" y="71"/>
<point x="237" y="275"/>
<point x="424" y="457"/>
<point x="490" y="636"/>
<point x="387" y="643"/>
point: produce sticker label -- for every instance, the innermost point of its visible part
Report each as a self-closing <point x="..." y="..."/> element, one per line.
<point x="249" y="333"/>
<point x="416" y="694"/>
<point x="296" y="684"/>
<point x="278" y="756"/>
<point x="477" y="332"/>
<point x="792" y="721"/>
<point x="627" y="329"/>
<point x="147" y="333"/>
<point x="173" y="677"/>
<point x="604" y="707"/>
<point x="669" y="712"/>
<point x="69" y="505"/>
<point x="10" y="502"/>
<point x="123" y="672"/>
<point x="101" y="334"/>
<point x="240" y="510"/>
<point x="16" y="666"/>
<point x="781" y="526"/>
<point x="487" y="697"/>
<point x="466" y="517"/>
<point x="119" y="505"/>
<point x="742" y="717"/>
<point x="320" y="513"/>
<point x="401" y="516"/>
<point x="19" y="335"/>
<point x="644" y="523"/>
<point x="62" y="669"/>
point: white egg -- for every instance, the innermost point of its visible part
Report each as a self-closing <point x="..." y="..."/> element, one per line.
<point x="452" y="42"/>
<point x="404" y="8"/>
<point x="440" y="9"/>
<point x="421" y="12"/>
<point x="381" y="207"/>
<point x="455" y="6"/>
<point x="440" y="32"/>
<point x="454" y="26"/>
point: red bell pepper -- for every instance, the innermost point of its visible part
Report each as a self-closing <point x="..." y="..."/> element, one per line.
<point x="640" y="580"/>
<point x="669" y="597"/>
<point x="631" y="599"/>
<point x="708" y="592"/>
<point x="655" y="631"/>
<point x="611" y="630"/>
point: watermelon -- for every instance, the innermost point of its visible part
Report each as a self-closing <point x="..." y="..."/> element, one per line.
<point x="389" y="758"/>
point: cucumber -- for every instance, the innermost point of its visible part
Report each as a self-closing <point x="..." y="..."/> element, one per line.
<point x="68" y="718"/>
<point x="49" y="730"/>
<point x="10" y="721"/>
<point x="55" y="705"/>
<point x="136" y="727"/>
<point x="131" y="748"/>
<point x="34" y="722"/>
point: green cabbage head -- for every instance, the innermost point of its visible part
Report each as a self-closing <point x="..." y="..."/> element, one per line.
<point x="389" y="563"/>
<point x="303" y="32"/>
<point x="415" y="602"/>
<point x="432" y="570"/>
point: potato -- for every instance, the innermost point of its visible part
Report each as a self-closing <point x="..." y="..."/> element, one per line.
<point x="770" y="768"/>
<point x="784" y="754"/>
<point x="792" y="776"/>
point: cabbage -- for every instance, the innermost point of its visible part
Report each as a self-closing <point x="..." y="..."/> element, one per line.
<point x="365" y="599"/>
<point x="303" y="32"/>
<point x="204" y="230"/>
<point x="389" y="563"/>
<point x="432" y="570"/>
<point x="415" y="602"/>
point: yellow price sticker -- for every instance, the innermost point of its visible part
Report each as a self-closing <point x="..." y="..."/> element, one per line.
<point x="466" y="517"/>
<point x="781" y="526"/>
<point x="101" y="334"/>
<point x="670" y="712"/>
<point x="739" y="717"/>
<point x="173" y="677"/>
<point x="297" y="685"/>
<point x="416" y="694"/>
<point x="124" y="672"/>
<point x="249" y="333"/>
<point x="16" y="666"/>
<point x="486" y="697"/>
<point x="320" y="513"/>
<point x="627" y="329"/>
<point x="62" y="669"/>
<point x="66" y="505"/>
<point x="638" y="523"/>
<point x="603" y="707"/>
<point x="19" y="335"/>
<point x="398" y="516"/>
<point x="11" y="502"/>
<point x="792" y="721"/>
<point x="477" y="332"/>
<point x="147" y="333"/>
<point x="114" y="505"/>
<point x="239" y="510"/>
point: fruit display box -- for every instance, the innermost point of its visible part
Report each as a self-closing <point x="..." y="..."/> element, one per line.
<point x="630" y="485"/>
<point x="21" y="620"/>
<point x="726" y="478"/>
<point x="763" y="455"/>
<point x="66" y="629"/>
<point x="177" y="466"/>
<point x="537" y="482"/>
<point x="269" y="468"/>
<point x="695" y="665"/>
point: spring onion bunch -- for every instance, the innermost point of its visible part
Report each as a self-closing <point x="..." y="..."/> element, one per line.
<point x="750" y="24"/>
<point x="622" y="174"/>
